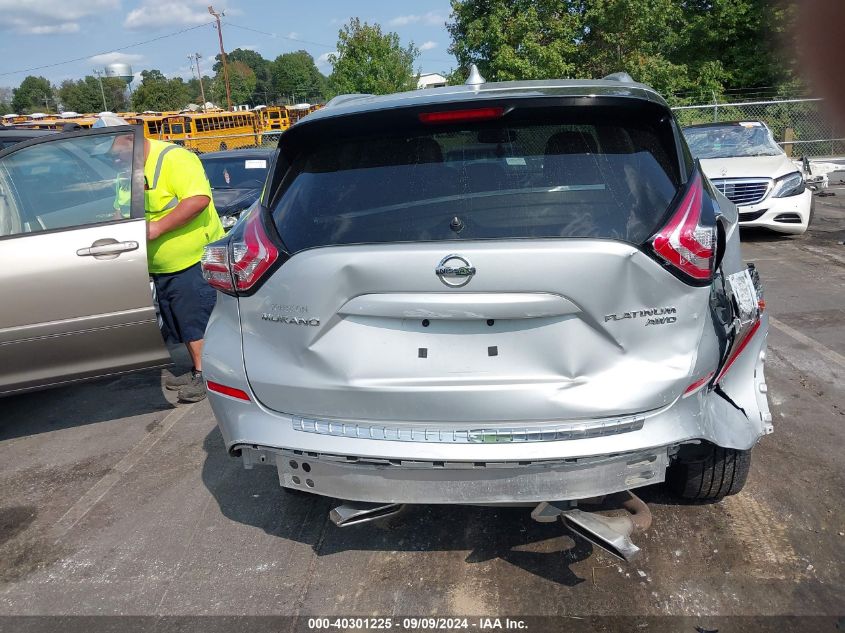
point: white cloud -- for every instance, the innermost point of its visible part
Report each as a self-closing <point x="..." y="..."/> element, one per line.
<point x="293" y="35"/>
<point x="427" y="46"/>
<point x="323" y="60"/>
<point x="431" y="18"/>
<point x="43" y="17"/>
<point x="115" y="58"/>
<point x="156" y="14"/>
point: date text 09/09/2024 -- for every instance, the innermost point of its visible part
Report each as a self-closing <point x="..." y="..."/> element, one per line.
<point x="417" y="623"/>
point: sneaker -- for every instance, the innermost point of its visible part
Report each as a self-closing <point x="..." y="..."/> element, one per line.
<point x="194" y="391"/>
<point x="174" y="383"/>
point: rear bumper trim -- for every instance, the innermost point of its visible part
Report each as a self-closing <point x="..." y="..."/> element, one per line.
<point x="548" y="433"/>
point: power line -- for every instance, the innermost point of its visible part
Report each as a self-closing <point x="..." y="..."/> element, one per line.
<point x="292" y="39"/>
<point x="113" y="50"/>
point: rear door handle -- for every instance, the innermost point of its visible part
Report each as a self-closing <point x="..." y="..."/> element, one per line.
<point x="113" y="248"/>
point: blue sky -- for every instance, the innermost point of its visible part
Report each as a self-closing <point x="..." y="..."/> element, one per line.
<point x="42" y="32"/>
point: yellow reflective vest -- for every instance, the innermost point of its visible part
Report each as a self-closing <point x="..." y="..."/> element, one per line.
<point x="171" y="174"/>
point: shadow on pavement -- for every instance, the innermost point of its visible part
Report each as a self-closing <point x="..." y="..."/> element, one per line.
<point x="254" y="498"/>
<point x="82" y="403"/>
<point x="89" y="402"/>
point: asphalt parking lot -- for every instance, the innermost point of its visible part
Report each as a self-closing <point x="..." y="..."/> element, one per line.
<point x="117" y="501"/>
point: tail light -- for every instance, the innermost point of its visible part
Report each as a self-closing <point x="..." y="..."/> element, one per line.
<point x="236" y="266"/>
<point x="738" y="348"/>
<point x="685" y="242"/>
<point x="215" y="267"/>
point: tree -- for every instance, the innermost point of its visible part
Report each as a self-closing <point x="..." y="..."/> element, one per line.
<point x="516" y="39"/>
<point x="369" y="61"/>
<point x="158" y="93"/>
<point x="255" y="62"/>
<point x="196" y="93"/>
<point x="84" y="95"/>
<point x="695" y="47"/>
<point x="241" y="84"/>
<point x="30" y="95"/>
<point x="295" y="78"/>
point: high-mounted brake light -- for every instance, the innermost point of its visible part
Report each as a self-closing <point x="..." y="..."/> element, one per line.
<point x="226" y="391"/>
<point x="684" y="242"/>
<point x="462" y="116"/>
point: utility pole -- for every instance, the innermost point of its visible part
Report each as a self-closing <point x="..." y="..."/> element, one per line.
<point x="102" y="92"/>
<point x="222" y="56"/>
<point x="196" y="57"/>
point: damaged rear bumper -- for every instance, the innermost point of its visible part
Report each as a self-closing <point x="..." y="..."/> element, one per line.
<point x="504" y="469"/>
<point x="415" y="481"/>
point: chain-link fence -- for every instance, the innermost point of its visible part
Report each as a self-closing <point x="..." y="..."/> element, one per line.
<point x="220" y="142"/>
<point x="798" y="125"/>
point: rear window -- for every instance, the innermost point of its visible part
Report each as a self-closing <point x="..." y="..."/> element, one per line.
<point x="236" y="172"/>
<point x="535" y="173"/>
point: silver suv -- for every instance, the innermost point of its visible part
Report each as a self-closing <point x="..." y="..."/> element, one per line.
<point x="496" y="293"/>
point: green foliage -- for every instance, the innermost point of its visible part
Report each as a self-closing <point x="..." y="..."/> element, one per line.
<point x="158" y="93"/>
<point x="84" y="95"/>
<point x="255" y="62"/>
<point x="515" y="39"/>
<point x="369" y="61"/>
<point x="241" y="85"/>
<point x="29" y="96"/>
<point x="295" y="78"/>
<point x="692" y="48"/>
<point x="193" y="87"/>
<point x="5" y="108"/>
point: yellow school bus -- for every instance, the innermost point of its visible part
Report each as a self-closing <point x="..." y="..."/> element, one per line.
<point x="212" y="131"/>
<point x="151" y="122"/>
<point x="12" y="119"/>
<point x="273" y="119"/>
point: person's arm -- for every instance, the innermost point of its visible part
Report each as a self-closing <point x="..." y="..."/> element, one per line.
<point x="185" y="211"/>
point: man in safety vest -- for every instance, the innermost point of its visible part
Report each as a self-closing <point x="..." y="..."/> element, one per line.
<point x="181" y="220"/>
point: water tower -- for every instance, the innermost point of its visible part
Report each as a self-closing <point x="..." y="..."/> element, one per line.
<point x="120" y="71"/>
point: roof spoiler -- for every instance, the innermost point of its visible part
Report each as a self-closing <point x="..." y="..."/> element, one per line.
<point x="341" y="99"/>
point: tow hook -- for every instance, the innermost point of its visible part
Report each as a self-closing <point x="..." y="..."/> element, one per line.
<point x="611" y="533"/>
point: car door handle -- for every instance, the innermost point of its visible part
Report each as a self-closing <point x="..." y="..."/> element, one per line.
<point x="114" y="248"/>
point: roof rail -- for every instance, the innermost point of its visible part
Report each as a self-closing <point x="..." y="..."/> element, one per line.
<point x="620" y="76"/>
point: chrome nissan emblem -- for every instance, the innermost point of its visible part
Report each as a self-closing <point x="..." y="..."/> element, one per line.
<point x="454" y="271"/>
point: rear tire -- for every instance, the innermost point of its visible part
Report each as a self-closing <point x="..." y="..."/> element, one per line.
<point x="709" y="473"/>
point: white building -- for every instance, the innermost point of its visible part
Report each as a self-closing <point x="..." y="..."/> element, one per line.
<point x="431" y="80"/>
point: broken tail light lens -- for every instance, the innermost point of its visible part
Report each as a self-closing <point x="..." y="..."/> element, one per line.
<point x="698" y="385"/>
<point x="738" y="348"/>
<point x="685" y="243"/>
<point x="215" y="267"/>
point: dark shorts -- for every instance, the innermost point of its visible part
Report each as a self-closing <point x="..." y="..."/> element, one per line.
<point x="185" y="302"/>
